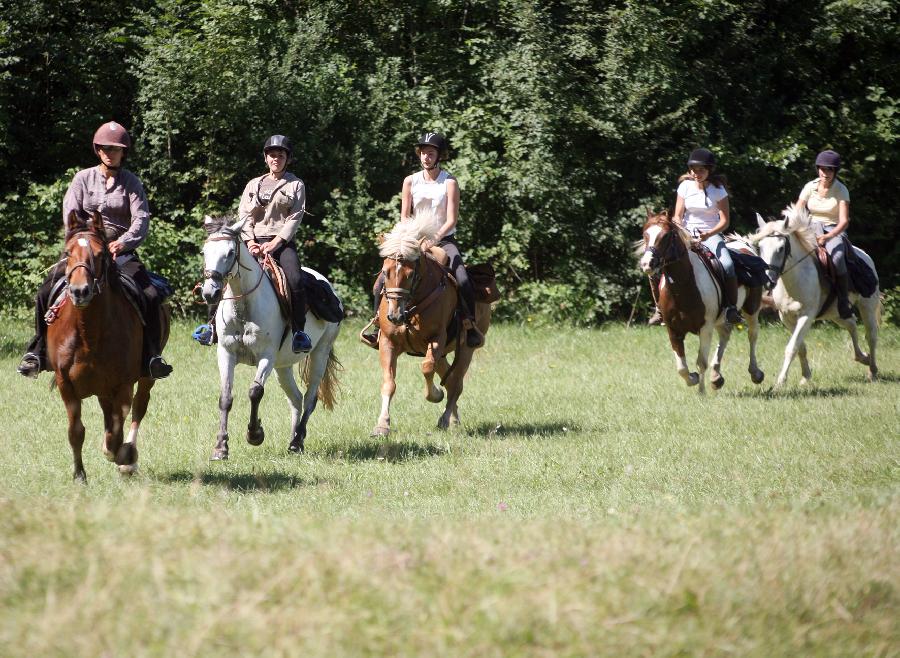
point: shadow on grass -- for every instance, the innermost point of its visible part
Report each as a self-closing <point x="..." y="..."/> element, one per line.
<point x="798" y="392"/>
<point x="528" y="430"/>
<point x="276" y="481"/>
<point x="888" y="377"/>
<point x="384" y="450"/>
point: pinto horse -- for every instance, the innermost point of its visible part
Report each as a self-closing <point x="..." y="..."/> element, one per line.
<point x="690" y="300"/>
<point x="801" y="294"/>
<point x="414" y="315"/>
<point x="94" y="346"/>
<point x="252" y="330"/>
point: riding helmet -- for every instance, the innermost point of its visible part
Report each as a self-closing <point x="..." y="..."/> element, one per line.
<point x="703" y="157"/>
<point x="112" y="134"/>
<point x="829" y="158"/>
<point x="436" y="140"/>
<point x="278" y="142"/>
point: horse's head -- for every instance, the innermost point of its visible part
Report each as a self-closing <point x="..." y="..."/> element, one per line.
<point x="662" y="242"/>
<point x="87" y="258"/>
<point x="401" y="249"/>
<point x="773" y="240"/>
<point x="221" y="254"/>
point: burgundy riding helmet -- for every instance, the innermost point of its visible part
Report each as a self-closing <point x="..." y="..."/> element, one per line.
<point x="112" y="134"/>
<point x="829" y="158"/>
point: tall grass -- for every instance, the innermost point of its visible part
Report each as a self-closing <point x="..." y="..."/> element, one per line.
<point x="591" y="504"/>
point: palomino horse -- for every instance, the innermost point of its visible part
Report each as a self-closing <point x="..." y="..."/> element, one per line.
<point x="689" y="300"/>
<point x="788" y="247"/>
<point x="414" y="314"/>
<point x="252" y="331"/>
<point x="94" y="346"/>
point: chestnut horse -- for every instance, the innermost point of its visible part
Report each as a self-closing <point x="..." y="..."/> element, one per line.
<point x="414" y="314"/>
<point x="690" y="300"/>
<point x="94" y="346"/>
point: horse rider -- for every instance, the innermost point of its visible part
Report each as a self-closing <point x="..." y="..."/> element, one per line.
<point x="828" y="201"/>
<point x="434" y="188"/>
<point x="118" y="195"/>
<point x="701" y="206"/>
<point x="274" y="204"/>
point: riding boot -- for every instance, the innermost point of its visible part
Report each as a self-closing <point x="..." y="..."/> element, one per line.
<point x="845" y="308"/>
<point x="474" y="337"/>
<point x="371" y="339"/>
<point x="656" y="318"/>
<point x="732" y="315"/>
<point x="154" y="365"/>
<point x="35" y="359"/>
<point x="300" y="341"/>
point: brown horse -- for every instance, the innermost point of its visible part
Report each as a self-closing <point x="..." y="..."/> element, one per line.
<point x="690" y="300"/>
<point x="94" y="346"/>
<point x="414" y="315"/>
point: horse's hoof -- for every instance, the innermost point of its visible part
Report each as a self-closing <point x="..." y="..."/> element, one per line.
<point x="127" y="469"/>
<point x="381" y="431"/>
<point x="438" y="397"/>
<point x="693" y="379"/>
<point x="127" y="455"/>
<point x="757" y="377"/>
<point x="219" y="455"/>
<point x="717" y="382"/>
<point x="80" y="477"/>
<point x="296" y="447"/>
<point x="256" y="437"/>
<point x="872" y="376"/>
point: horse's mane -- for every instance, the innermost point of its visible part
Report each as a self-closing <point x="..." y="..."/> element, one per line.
<point x="797" y="221"/>
<point x="403" y="240"/>
<point x="217" y="224"/>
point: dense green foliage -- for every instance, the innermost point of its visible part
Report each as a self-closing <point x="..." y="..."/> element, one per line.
<point x="568" y="120"/>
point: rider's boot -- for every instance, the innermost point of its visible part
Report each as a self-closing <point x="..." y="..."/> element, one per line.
<point x="301" y="342"/>
<point x="845" y="308"/>
<point x="732" y="315"/>
<point x="31" y="365"/>
<point x="156" y="367"/>
<point x="371" y="339"/>
<point x="474" y="337"/>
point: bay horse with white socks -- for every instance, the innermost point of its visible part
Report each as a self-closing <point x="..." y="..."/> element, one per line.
<point x="800" y="292"/>
<point x="94" y="346"/>
<point x="414" y="314"/>
<point x="252" y="330"/>
<point x="690" y="300"/>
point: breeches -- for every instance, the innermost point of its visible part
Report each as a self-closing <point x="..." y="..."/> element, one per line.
<point x="458" y="268"/>
<point x="716" y="244"/>
<point x="287" y="257"/>
<point x="836" y="248"/>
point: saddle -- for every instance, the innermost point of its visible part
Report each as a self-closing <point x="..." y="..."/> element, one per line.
<point x="320" y="298"/>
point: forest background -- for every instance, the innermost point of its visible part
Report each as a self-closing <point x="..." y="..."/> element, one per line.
<point x="568" y="121"/>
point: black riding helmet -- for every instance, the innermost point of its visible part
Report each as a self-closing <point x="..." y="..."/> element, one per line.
<point x="703" y="157"/>
<point x="279" y="142"/>
<point x="436" y="140"/>
<point x="829" y="158"/>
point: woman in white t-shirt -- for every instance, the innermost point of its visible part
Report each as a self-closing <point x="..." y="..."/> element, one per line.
<point x="828" y="201"/>
<point x="702" y="208"/>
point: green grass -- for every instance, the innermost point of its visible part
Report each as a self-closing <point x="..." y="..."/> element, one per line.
<point x="591" y="504"/>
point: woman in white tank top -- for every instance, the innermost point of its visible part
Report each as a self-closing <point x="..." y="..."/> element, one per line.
<point x="433" y="188"/>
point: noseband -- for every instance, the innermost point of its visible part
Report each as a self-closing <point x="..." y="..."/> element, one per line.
<point x="398" y="294"/>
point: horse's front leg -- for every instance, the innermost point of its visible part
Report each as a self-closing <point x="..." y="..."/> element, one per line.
<point x="111" y="442"/>
<point x="227" y="362"/>
<point x="127" y="460"/>
<point x="868" y="309"/>
<point x="799" y="328"/>
<point x="703" y="354"/>
<point x="76" y="428"/>
<point x="432" y="355"/>
<point x="756" y="374"/>
<point x="724" y="332"/>
<point x="677" y="342"/>
<point x="255" y="433"/>
<point x="388" y="357"/>
<point x="127" y="454"/>
<point x="295" y="399"/>
<point x="453" y="382"/>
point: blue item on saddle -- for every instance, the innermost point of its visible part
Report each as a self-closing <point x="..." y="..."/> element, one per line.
<point x="301" y="342"/>
<point x="161" y="284"/>
<point x="203" y="334"/>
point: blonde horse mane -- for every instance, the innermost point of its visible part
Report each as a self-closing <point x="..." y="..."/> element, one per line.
<point x="403" y="240"/>
<point x="797" y="221"/>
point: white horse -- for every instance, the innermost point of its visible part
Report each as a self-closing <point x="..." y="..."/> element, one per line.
<point x="788" y="247"/>
<point x="690" y="300"/>
<point x="252" y="330"/>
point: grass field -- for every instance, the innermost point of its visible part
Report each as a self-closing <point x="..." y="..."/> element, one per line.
<point x="591" y="504"/>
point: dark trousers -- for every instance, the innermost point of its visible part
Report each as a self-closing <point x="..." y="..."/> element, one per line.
<point x="289" y="259"/>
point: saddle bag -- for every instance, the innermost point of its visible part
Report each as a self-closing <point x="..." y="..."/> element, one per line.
<point x="484" y="282"/>
<point x="322" y="301"/>
<point x="749" y="268"/>
<point x="862" y="278"/>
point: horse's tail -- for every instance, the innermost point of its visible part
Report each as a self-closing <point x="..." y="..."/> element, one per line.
<point x="328" y="387"/>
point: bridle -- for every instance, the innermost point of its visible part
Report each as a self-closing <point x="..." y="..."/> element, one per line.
<point x="670" y="254"/>
<point x="232" y="270"/>
<point x="780" y="270"/>
<point x="90" y="266"/>
<point x="405" y="294"/>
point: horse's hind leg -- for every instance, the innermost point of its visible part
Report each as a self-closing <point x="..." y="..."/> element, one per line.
<point x="127" y="457"/>
<point x="111" y="441"/>
<point x="295" y="399"/>
<point x="756" y="375"/>
<point x="717" y="380"/>
<point x="227" y="361"/>
<point x="435" y="351"/>
<point x="255" y="432"/>
<point x="454" y="385"/>
<point x="677" y="343"/>
<point x="703" y="355"/>
<point x="76" y="429"/>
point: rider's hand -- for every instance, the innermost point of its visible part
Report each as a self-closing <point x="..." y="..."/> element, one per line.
<point x="426" y="244"/>
<point x="115" y="248"/>
<point x="821" y="240"/>
<point x="254" y="248"/>
<point x="271" y="245"/>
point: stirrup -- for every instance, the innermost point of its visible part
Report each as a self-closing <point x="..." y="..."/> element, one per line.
<point x="845" y="309"/>
<point x="656" y="318"/>
<point x="203" y="334"/>
<point x="733" y="316"/>
<point x="370" y="340"/>
<point x="30" y="365"/>
<point x="301" y="342"/>
<point x="158" y="368"/>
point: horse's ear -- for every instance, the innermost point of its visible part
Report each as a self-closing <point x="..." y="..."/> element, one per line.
<point x="760" y="221"/>
<point x="238" y="226"/>
<point x="74" y="222"/>
<point x="96" y="222"/>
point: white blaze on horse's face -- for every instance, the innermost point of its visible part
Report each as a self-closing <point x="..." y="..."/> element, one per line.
<point x="651" y="238"/>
